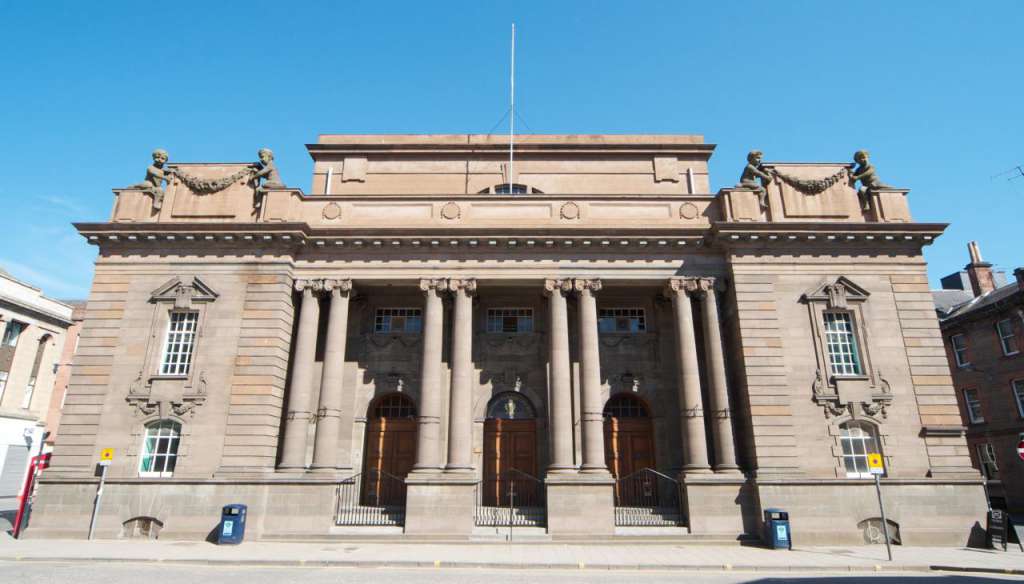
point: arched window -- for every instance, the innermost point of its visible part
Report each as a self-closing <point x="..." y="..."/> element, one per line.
<point x="625" y="406"/>
<point x="160" y="449"/>
<point x="858" y="440"/>
<point x="394" y="405"/>
<point x="510" y="406"/>
<point x="511" y="189"/>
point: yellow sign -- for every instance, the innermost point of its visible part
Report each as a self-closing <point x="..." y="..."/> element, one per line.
<point x="107" y="454"/>
<point x="875" y="464"/>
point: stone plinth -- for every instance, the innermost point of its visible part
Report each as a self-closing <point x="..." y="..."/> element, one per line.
<point x="279" y="204"/>
<point x="580" y="505"/>
<point x="890" y="205"/>
<point x="440" y="504"/>
<point x="720" y="506"/>
<point x="740" y="204"/>
<point x="131" y="205"/>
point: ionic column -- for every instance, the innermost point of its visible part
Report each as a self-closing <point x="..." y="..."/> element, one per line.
<point x="300" y="392"/>
<point x="460" y="408"/>
<point x="559" y="384"/>
<point x="725" y="452"/>
<point x="590" y="387"/>
<point x="695" y="448"/>
<point x="428" y="439"/>
<point x="328" y="427"/>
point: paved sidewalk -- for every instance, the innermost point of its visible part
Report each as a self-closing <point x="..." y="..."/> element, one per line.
<point x="626" y="556"/>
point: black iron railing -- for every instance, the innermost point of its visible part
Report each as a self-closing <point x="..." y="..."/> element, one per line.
<point x="512" y="498"/>
<point x="371" y="498"/>
<point x="648" y="498"/>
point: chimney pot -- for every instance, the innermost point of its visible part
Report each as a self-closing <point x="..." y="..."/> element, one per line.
<point x="1019" y="274"/>
<point x="979" y="271"/>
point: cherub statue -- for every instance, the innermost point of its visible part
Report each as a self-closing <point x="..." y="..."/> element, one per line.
<point x="156" y="176"/>
<point x="266" y="171"/>
<point x="865" y="173"/>
<point x="754" y="177"/>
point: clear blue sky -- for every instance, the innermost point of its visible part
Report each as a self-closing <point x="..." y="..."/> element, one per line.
<point x="88" y="89"/>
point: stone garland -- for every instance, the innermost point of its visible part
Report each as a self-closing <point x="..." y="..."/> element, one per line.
<point x="208" y="186"/>
<point x="812" y="186"/>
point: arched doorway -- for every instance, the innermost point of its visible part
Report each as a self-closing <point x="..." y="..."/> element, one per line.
<point x="628" y="436"/>
<point x="510" y="450"/>
<point x="390" y="450"/>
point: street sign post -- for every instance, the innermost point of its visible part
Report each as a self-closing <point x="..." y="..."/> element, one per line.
<point x="877" y="469"/>
<point x="106" y="457"/>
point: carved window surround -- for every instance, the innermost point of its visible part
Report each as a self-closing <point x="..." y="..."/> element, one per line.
<point x="151" y="393"/>
<point x="853" y="395"/>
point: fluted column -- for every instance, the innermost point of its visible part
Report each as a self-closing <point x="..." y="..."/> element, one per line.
<point x="695" y="448"/>
<point x="328" y="426"/>
<point x="460" y="408"/>
<point x="590" y="387"/>
<point x="300" y="392"/>
<point x="725" y="451"/>
<point x="428" y="439"/>
<point x="559" y="384"/>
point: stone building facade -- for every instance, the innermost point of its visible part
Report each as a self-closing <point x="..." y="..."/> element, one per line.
<point x="436" y="341"/>
<point x="982" y="320"/>
<point x="34" y="327"/>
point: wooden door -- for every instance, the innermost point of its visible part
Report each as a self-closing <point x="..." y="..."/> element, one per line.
<point x="390" y="454"/>
<point x="628" y="449"/>
<point x="508" y="445"/>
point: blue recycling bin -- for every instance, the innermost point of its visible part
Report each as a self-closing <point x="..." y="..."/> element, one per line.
<point x="776" y="529"/>
<point x="232" y="524"/>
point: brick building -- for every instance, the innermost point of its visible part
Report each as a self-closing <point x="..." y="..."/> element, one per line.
<point x="982" y="319"/>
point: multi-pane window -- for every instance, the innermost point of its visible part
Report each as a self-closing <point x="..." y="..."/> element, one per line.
<point x="1007" y="340"/>
<point x="959" y="343"/>
<point x="510" y="320"/>
<point x="510" y="189"/>
<point x="394" y="406"/>
<point x="621" y="320"/>
<point x="160" y="449"/>
<point x="12" y="332"/>
<point x="1018" y="394"/>
<point x="858" y="441"/>
<point x="973" y="405"/>
<point x="398" y="320"/>
<point x="987" y="458"/>
<point x="180" y="342"/>
<point x="841" y="343"/>
<point x="624" y="406"/>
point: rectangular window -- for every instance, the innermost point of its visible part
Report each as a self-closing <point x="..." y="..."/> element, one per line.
<point x="973" y="406"/>
<point x="12" y="332"/>
<point x="621" y="320"/>
<point x="1018" y="394"/>
<point x="987" y="458"/>
<point x="160" y="449"/>
<point x="3" y="384"/>
<point x="857" y="443"/>
<point x="510" y="320"/>
<point x="841" y="344"/>
<point x="959" y="343"/>
<point x="398" y="320"/>
<point x="180" y="342"/>
<point x="1007" y="339"/>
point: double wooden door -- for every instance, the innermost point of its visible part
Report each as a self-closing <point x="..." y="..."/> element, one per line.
<point x="510" y="462"/>
<point x="390" y="454"/>
<point x="628" y="449"/>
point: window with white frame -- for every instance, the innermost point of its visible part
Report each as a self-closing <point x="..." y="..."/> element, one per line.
<point x="179" y="343"/>
<point x="858" y="440"/>
<point x="1018" y="395"/>
<point x="510" y="320"/>
<point x="841" y="344"/>
<point x="973" y="405"/>
<point x="1007" y="339"/>
<point x="621" y="320"/>
<point x="398" y="320"/>
<point x="160" y="449"/>
<point x="959" y="343"/>
<point x="987" y="459"/>
<point x="12" y="332"/>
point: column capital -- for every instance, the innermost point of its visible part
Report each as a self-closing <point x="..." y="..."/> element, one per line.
<point x="467" y="285"/>
<point x="438" y="284"/>
<point x="342" y="286"/>
<point x="303" y="284"/>
<point x="682" y="286"/>
<point x="582" y="284"/>
<point x="551" y="285"/>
